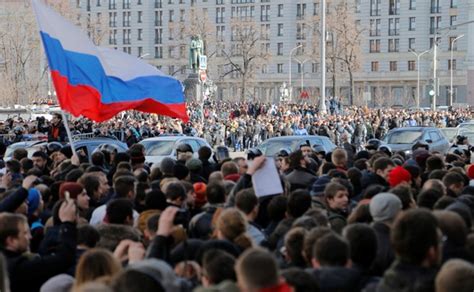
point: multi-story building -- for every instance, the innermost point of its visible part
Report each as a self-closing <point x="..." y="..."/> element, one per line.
<point x="393" y="32"/>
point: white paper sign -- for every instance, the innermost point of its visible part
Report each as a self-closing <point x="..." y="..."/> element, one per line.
<point x="266" y="180"/>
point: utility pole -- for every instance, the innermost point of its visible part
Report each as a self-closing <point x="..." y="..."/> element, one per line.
<point x="322" y="106"/>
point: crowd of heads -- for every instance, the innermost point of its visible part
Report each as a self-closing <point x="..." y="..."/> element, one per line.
<point x="372" y="220"/>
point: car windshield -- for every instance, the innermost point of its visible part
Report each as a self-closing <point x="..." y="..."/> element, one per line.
<point x="402" y="137"/>
<point x="270" y="148"/>
<point x="158" y="148"/>
<point x="450" y="133"/>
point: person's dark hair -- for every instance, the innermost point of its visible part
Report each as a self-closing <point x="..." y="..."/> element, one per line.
<point x="40" y="154"/>
<point x="443" y="202"/>
<point x="258" y="269"/>
<point x="152" y="223"/>
<point x="123" y="185"/>
<point x="204" y="153"/>
<point x="326" y="167"/>
<point x="355" y="177"/>
<point x="175" y="191"/>
<point x="295" y="159"/>
<point x="452" y="178"/>
<point x="437" y="174"/>
<point x="90" y="182"/>
<point x="361" y="164"/>
<point x="26" y="164"/>
<point x="34" y="171"/>
<point x="332" y="188"/>
<point x="94" y="168"/>
<point x="276" y="209"/>
<point x="136" y="281"/>
<point x="310" y="240"/>
<point x="434" y="162"/>
<point x="74" y="175"/>
<point x="13" y="166"/>
<point x="155" y="200"/>
<point x="98" y="159"/>
<point x="246" y="200"/>
<point x="87" y="235"/>
<point x="382" y="163"/>
<point x="118" y="211"/>
<point x="299" y="202"/>
<point x="294" y="242"/>
<point x="453" y="227"/>
<point x="414" y="170"/>
<point x="9" y="226"/>
<point x="124" y="165"/>
<point x="19" y="154"/>
<point x="372" y="190"/>
<point x="360" y="214"/>
<point x="428" y="198"/>
<point x="363" y="242"/>
<point x="336" y="173"/>
<point x="215" y="193"/>
<point x="404" y="193"/>
<point x="413" y="234"/>
<point x="218" y="266"/>
<point x="331" y="250"/>
<point x="300" y="280"/>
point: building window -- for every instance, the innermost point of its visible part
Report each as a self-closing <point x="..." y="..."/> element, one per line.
<point x="394" y="7"/>
<point x="140" y="34"/>
<point x="452" y="66"/>
<point x="140" y="51"/>
<point x="171" y="16"/>
<point x="140" y="17"/>
<point x="98" y="3"/>
<point x="454" y="3"/>
<point x="432" y="41"/>
<point x="435" y="8"/>
<point x="375" y="66"/>
<point x="314" y="67"/>
<point x="411" y="43"/>
<point x="412" y="23"/>
<point x="375" y="27"/>
<point x="315" y="9"/>
<point x="435" y="23"/>
<point x="393" y="66"/>
<point x="412" y="4"/>
<point x="300" y="10"/>
<point x="375" y="6"/>
<point x="452" y="20"/>
<point x="265" y="13"/>
<point x="280" y="29"/>
<point x="357" y="6"/>
<point x="411" y="65"/>
<point x="375" y="46"/>
<point x="300" y="31"/>
<point x="394" y="26"/>
<point x="280" y="49"/>
<point x="280" y="68"/>
<point x="393" y="45"/>
<point x="280" y="10"/>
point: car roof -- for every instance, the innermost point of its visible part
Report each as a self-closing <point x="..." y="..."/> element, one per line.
<point x="413" y="129"/>
<point x="294" y="137"/>
<point x="171" y="138"/>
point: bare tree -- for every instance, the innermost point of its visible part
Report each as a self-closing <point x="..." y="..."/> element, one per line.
<point x="245" y="56"/>
<point x="349" y="37"/>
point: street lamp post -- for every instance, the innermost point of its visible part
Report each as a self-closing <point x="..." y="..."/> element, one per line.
<point x="418" y="56"/>
<point x="451" y="81"/>
<point x="322" y="106"/>
<point x="289" y="71"/>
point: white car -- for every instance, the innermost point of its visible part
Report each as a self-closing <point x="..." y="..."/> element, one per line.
<point x="157" y="148"/>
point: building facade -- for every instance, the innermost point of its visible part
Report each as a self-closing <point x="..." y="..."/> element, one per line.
<point x="393" y="33"/>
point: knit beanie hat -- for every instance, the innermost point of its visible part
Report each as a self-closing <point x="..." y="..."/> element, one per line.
<point x="398" y="175"/>
<point x="73" y="188"/>
<point x="385" y="207"/>
<point x="200" y="196"/>
<point x="166" y="165"/>
<point x="194" y="165"/>
<point x="33" y="200"/>
<point x="59" y="283"/>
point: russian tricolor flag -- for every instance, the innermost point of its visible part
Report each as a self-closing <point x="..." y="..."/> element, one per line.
<point x="100" y="82"/>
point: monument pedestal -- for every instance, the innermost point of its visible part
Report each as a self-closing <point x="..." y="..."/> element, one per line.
<point x="192" y="87"/>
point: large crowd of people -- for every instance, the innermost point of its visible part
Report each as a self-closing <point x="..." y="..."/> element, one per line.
<point x="372" y="221"/>
<point x="241" y="126"/>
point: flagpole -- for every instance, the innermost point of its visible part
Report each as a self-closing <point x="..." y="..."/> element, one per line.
<point x="68" y="131"/>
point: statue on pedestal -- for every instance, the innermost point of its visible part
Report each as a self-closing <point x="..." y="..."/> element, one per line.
<point x="196" y="50"/>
